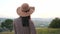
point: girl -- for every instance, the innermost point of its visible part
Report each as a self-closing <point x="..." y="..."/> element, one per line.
<point x="23" y="24"/>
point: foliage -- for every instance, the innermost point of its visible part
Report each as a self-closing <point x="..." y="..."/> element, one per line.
<point x="7" y="24"/>
<point x="55" y="23"/>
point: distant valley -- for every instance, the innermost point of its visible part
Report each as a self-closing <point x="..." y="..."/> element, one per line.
<point x="38" y="22"/>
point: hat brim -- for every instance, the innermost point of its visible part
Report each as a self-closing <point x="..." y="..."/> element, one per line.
<point x="24" y="14"/>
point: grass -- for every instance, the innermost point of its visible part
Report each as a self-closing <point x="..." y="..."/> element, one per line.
<point x="6" y="32"/>
<point x="40" y="31"/>
<point x="48" y="31"/>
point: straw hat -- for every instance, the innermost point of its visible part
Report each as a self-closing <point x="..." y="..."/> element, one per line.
<point x="25" y="10"/>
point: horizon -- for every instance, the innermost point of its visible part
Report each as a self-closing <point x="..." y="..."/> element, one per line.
<point x="31" y="18"/>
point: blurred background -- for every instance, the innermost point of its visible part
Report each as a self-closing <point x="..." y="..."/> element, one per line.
<point x="46" y="17"/>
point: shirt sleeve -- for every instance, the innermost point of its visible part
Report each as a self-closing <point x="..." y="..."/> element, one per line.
<point x="32" y="28"/>
<point x="14" y="27"/>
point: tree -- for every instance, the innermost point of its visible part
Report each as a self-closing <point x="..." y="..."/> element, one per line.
<point x="7" y="24"/>
<point x="55" y="23"/>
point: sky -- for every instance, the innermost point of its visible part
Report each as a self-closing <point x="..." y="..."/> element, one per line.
<point x="43" y="8"/>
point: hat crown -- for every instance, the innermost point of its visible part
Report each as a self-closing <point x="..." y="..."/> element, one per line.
<point x="25" y="6"/>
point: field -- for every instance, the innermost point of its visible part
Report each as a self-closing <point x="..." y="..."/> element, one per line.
<point x="48" y="31"/>
<point x="40" y="31"/>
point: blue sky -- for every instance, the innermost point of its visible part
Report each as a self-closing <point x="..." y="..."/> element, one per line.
<point x="43" y="8"/>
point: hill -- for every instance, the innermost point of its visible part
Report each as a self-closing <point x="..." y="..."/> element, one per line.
<point x="38" y="22"/>
<point x="42" y="22"/>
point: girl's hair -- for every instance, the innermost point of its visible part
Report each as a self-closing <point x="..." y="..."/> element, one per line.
<point x="25" y="21"/>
